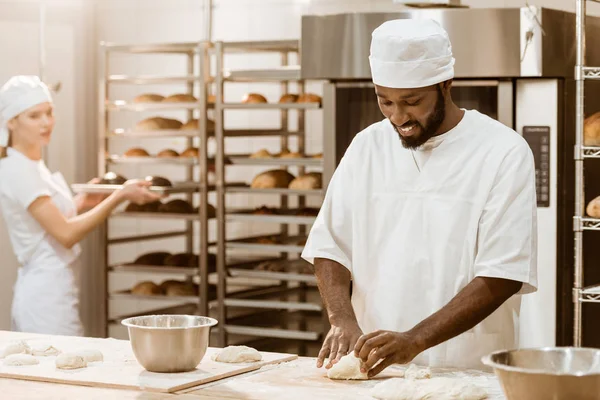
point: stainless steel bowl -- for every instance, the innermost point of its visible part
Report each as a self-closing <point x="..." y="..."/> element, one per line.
<point x="553" y="373"/>
<point x="169" y="343"/>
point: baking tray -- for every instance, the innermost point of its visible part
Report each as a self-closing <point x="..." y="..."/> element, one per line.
<point x="180" y="187"/>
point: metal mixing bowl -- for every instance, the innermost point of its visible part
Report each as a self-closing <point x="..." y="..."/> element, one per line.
<point x="553" y="373"/>
<point x="169" y="343"/>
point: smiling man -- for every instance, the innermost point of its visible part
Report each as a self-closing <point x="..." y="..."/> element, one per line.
<point x="431" y="214"/>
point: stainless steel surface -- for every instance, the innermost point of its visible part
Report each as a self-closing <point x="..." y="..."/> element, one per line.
<point x="273" y="332"/>
<point x="245" y="160"/>
<point x="579" y="181"/>
<point x="548" y="373"/>
<point x="591" y="152"/>
<point x="287" y="73"/>
<point x="590" y="294"/>
<point x="588" y="224"/>
<point x="329" y="52"/>
<point x="169" y="343"/>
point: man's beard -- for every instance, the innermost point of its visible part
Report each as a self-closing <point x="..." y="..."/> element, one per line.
<point x="431" y="127"/>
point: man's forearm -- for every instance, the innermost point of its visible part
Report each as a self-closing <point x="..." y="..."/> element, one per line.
<point x="334" y="285"/>
<point x="481" y="297"/>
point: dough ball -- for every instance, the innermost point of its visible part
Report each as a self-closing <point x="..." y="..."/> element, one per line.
<point x="70" y="361"/>
<point x="436" y="388"/>
<point x="90" y="355"/>
<point x="414" y="372"/>
<point x="44" y="350"/>
<point x="347" y="368"/>
<point x="14" y="360"/>
<point x="237" y="354"/>
<point x="19" y="347"/>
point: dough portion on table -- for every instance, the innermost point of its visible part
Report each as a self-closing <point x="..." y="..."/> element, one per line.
<point x="237" y="354"/>
<point x="18" y="347"/>
<point x="15" y="360"/>
<point x="90" y="355"/>
<point x="347" y="368"/>
<point x="70" y="361"/>
<point x="415" y="372"/>
<point x="424" y="389"/>
<point x="44" y="349"/>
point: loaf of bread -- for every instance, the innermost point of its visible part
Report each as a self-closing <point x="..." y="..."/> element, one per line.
<point x="290" y="155"/>
<point x="254" y="98"/>
<point x="176" y="206"/>
<point x="167" y="153"/>
<point x="267" y="240"/>
<point x="146" y="288"/>
<point x="264" y="210"/>
<point x="262" y="153"/>
<point x="190" y="152"/>
<point x="182" y="260"/>
<point x="307" y="212"/>
<point x="194" y="125"/>
<point x="276" y="178"/>
<point x="154" y="258"/>
<point x="271" y="266"/>
<point x="318" y="155"/>
<point x="289" y="98"/>
<point x="309" y="98"/>
<point x="132" y="207"/>
<point x="310" y="181"/>
<point x="591" y="130"/>
<point x="136" y="152"/>
<point x="593" y="208"/>
<point x="111" y="178"/>
<point x="180" y="98"/>
<point x="210" y="209"/>
<point x="149" y="98"/>
<point x="158" y="181"/>
<point x="211" y="99"/>
<point x="152" y="207"/>
<point x="158" y="123"/>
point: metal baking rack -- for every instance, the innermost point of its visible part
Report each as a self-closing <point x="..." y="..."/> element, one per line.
<point x="291" y="304"/>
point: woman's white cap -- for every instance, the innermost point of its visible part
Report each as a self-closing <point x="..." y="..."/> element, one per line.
<point x="18" y="94"/>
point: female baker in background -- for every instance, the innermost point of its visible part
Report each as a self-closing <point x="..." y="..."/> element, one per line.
<point x="45" y="222"/>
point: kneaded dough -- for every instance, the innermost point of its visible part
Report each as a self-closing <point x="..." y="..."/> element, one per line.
<point x="237" y="354"/>
<point x="19" y="347"/>
<point x="347" y="368"/>
<point x="70" y="361"/>
<point x="435" y="388"/>
<point x="90" y="355"/>
<point x="414" y="372"/>
<point x="20" y="359"/>
<point x="44" y="350"/>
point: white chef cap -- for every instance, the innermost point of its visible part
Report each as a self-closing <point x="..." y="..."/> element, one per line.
<point x="410" y="53"/>
<point x="18" y="94"/>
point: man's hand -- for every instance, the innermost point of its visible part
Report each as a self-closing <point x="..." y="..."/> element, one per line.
<point x="339" y="341"/>
<point x="389" y="347"/>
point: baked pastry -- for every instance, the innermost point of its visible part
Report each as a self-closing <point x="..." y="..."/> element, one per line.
<point x="193" y="125"/>
<point x="136" y="152"/>
<point x="148" y="98"/>
<point x="307" y="212"/>
<point x="591" y="130"/>
<point x="191" y="152"/>
<point x="254" y="98"/>
<point x="593" y="208"/>
<point x="158" y="181"/>
<point x="310" y="181"/>
<point x="177" y="206"/>
<point x="211" y="99"/>
<point x="180" y="98"/>
<point x="211" y="211"/>
<point x="277" y="178"/>
<point x="111" y="178"/>
<point x="318" y="155"/>
<point x="262" y="153"/>
<point x="309" y="98"/>
<point x="157" y="123"/>
<point x="167" y="153"/>
<point x="152" y="207"/>
<point x="181" y="289"/>
<point x="264" y="210"/>
<point x="182" y="260"/>
<point x="155" y="258"/>
<point x="267" y="240"/>
<point x="290" y="155"/>
<point x="289" y="98"/>
<point x="146" y="288"/>
<point x="272" y="266"/>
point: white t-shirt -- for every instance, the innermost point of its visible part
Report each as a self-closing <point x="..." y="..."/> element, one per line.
<point x="414" y="227"/>
<point x="22" y="181"/>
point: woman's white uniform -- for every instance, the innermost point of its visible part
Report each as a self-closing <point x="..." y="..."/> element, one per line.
<point x="46" y="292"/>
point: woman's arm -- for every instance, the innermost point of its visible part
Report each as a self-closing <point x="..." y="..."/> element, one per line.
<point x="68" y="232"/>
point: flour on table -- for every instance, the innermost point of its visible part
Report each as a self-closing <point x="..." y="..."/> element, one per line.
<point x="348" y="367"/>
<point x="90" y="355"/>
<point x="44" y="350"/>
<point x="414" y="372"/>
<point x="435" y="388"/>
<point x="70" y="361"/>
<point x="19" y="347"/>
<point x="237" y="354"/>
<point x="14" y="360"/>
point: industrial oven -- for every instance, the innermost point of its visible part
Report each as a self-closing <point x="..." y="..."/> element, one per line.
<point x="515" y="65"/>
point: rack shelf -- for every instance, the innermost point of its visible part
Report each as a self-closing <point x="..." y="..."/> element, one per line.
<point x="276" y="161"/>
<point x="590" y="294"/>
<point x="290" y="73"/>
<point x="186" y="161"/>
<point x="249" y="216"/>
<point x="280" y="191"/>
<point x="181" y="187"/>
<point x="152" y="79"/>
<point x="158" y="215"/>
<point x="121" y="105"/>
<point x="129" y="133"/>
<point x="271" y="106"/>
